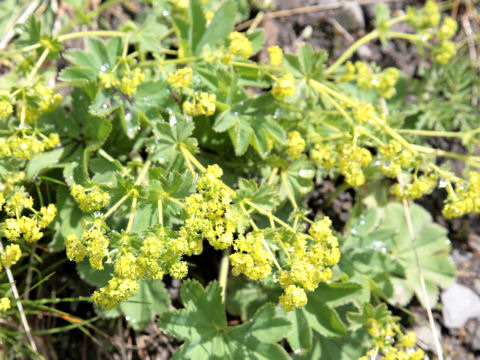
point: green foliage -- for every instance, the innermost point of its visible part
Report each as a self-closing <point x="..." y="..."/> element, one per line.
<point x="167" y="137"/>
<point x="203" y="326"/>
<point x="380" y="254"/>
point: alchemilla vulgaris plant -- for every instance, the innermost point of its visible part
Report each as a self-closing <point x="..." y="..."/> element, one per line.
<point x="136" y="151"/>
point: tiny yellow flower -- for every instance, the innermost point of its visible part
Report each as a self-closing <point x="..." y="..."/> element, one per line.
<point x="284" y="87"/>
<point x="240" y="45"/>
<point x="276" y="55"/>
<point x="181" y="78"/>
<point x="11" y="255"/>
<point x="4" y="304"/>
<point x="5" y="109"/>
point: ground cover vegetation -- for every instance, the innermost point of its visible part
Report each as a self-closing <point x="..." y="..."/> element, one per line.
<point x="131" y="152"/>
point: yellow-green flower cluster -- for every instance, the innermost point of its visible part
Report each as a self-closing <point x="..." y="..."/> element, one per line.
<point x="127" y="84"/>
<point x="428" y="16"/>
<point x="251" y="256"/>
<point x="363" y="112"/>
<point x="210" y="214"/>
<point x="28" y="227"/>
<point x="117" y="290"/>
<point x="420" y="186"/>
<point x="181" y="78"/>
<point x="383" y="82"/>
<point x="323" y="155"/>
<point x="390" y="343"/>
<point x="203" y="104"/>
<point x="109" y="80"/>
<point x="352" y="159"/>
<point x="89" y="199"/>
<point x="16" y="202"/>
<point x="40" y="99"/>
<point x="448" y="29"/>
<point x="93" y="244"/>
<point x="4" y="304"/>
<point x="5" y="109"/>
<point x="284" y="87"/>
<point x="276" y="55"/>
<point x="394" y="156"/>
<point x="23" y="146"/>
<point x="161" y="254"/>
<point x="131" y="80"/>
<point x="75" y="249"/>
<point x="11" y="255"/>
<point x="25" y="226"/>
<point x="295" y="144"/>
<point x="311" y="259"/>
<point x="465" y="200"/>
<point x="444" y="51"/>
<point x="48" y="100"/>
<point x="240" y="45"/>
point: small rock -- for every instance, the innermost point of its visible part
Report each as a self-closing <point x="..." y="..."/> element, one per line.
<point x="474" y="241"/>
<point x="351" y="16"/>
<point x="459" y="304"/>
<point x="425" y="337"/>
<point x="476" y="285"/>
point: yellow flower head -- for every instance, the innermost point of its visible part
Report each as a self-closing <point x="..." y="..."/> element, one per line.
<point x="5" y="109"/>
<point x="284" y="87"/>
<point x="181" y="78"/>
<point x="4" y="304"/>
<point x="276" y="55"/>
<point x="240" y="45"/>
<point x="11" y="255"/>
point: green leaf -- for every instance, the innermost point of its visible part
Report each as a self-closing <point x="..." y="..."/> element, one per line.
<point x="300" y="338"/>
<point x="246" y="297"/>
<point x="379" y="252"/>
<point x="152" y="298"/>
<point x="257" y="38"/>
<point x="433" y="249"/>
<point x="220" y="27"/>
<point x="167" y="188"/>
<point x="203" y="326"/>
<point x="299" y="177"/>
<point x="352" y="346"/>
<point x="29" y="31"/>
<point x="362" y="319"/>
<point x="94" y="277"/>
<point x="167" y="137"/>
<point x="320" y="312"/>
<point x="78" y="76"/>
<point x="198" y="24"/>
<point x="47" y="160"/>
<point x="265" y="196"/>
<point x="68" y="219"/>
<point x="147" y="37"/>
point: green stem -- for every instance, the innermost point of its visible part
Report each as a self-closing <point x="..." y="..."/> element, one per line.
<point x="38" y="64"/>
<point x="176" y="61"/>
<point x="354" y="47"/>
<point x="160" y="211"/>
<point x="80" y="34"/>
<point x="288" y="190"/>
<point x="117" y="205"/>
<point x="321" y="89"/>
<point x="405" y="36"/>
<point x="132" y="214"/>
<point x="223" y="273"/>
<point x="351" y="50"/>
<point x="431" y="133"/>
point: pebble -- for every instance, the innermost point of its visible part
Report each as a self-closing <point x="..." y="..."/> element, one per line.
<point x="351" y="16"/>
<point x="459" y="304"/>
